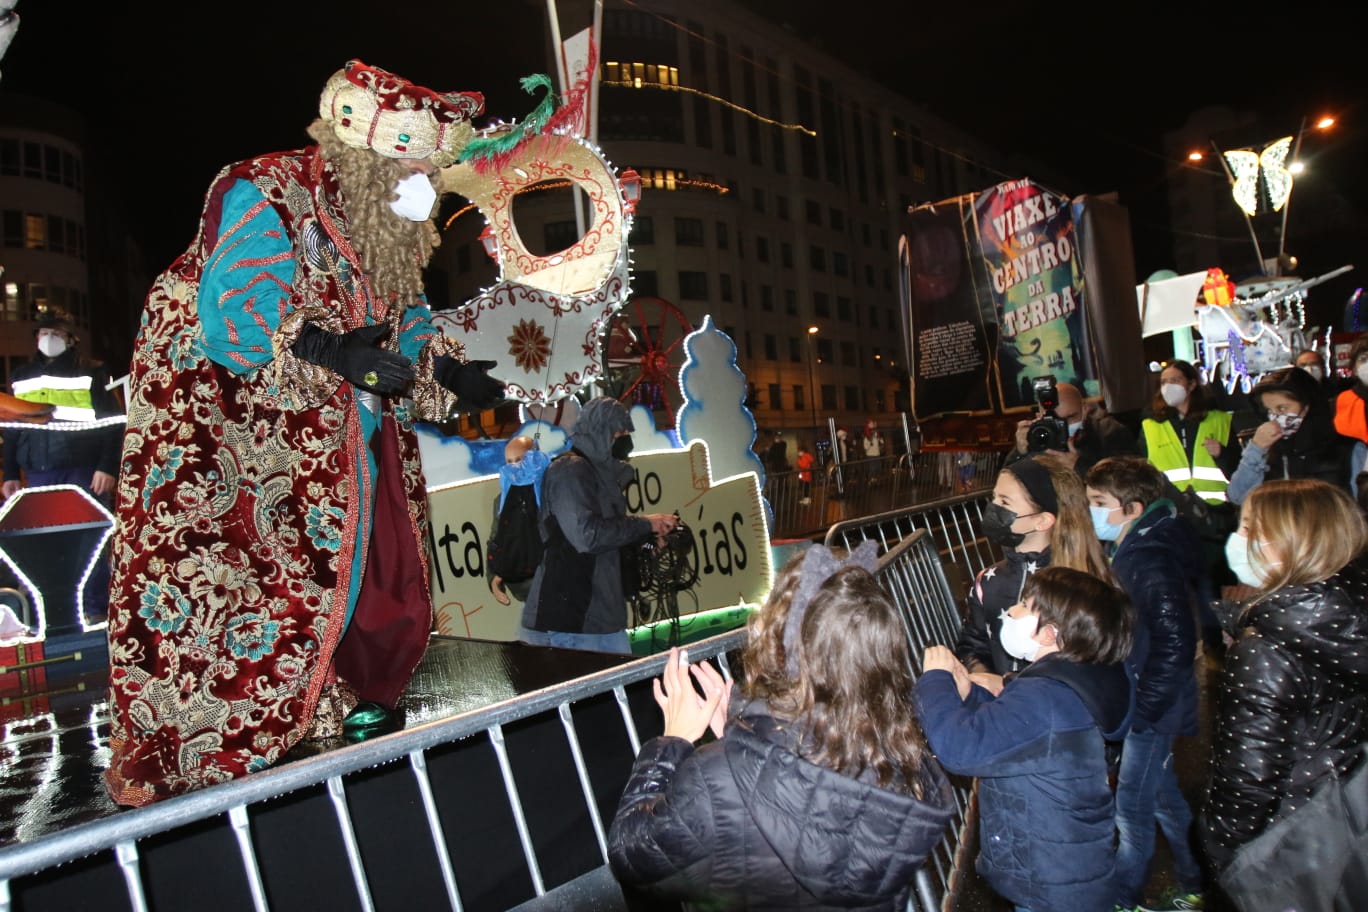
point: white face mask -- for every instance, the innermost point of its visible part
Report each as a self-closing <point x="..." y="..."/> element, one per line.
<point x="1016" y="634"/>
<point x="1175" y="394"/>
<point x="1362" y="372"/>
<point x="1246" y="565"/>
<point x="1074" y="428"/>
<point x="416" y="196"/>
<point x="1315" y="371"/>
<point x="51" y="346"/>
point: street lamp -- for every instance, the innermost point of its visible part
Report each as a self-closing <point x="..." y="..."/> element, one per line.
<point x="1266" y="175"/>
<point x="812" y="377"/>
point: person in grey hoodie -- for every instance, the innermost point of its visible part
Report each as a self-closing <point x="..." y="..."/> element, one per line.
<point x="577" y="599"/>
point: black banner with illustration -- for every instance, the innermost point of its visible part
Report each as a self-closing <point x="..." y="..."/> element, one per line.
<point x="947" y="349"/>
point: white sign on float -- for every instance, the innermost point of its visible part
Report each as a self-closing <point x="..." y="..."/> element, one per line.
<point x="713" y="483"/>
<point x="731" y="546"/>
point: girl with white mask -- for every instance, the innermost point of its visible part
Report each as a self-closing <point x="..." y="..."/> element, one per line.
<point x="1290" y="714"/>
<point x="1185" y="438"/>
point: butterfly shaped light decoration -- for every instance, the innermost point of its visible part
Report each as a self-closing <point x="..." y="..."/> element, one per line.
<point x="1261" y="173"/>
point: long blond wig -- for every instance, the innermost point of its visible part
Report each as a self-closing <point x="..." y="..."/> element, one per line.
<point x="393" y="250"/>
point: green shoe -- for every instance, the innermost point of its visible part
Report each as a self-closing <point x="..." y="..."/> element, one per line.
<point x="368" y="720"/>
<point x="1177" y="902"/>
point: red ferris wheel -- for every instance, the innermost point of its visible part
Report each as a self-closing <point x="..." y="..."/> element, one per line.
<point x="643" y="353"/>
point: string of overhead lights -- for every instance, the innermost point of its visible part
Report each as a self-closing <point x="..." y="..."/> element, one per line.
<point x="634" y="83"/>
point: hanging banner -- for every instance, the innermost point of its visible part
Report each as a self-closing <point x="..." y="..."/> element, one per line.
<point x="1027" y="245"/>
<point x="947" y="347"/>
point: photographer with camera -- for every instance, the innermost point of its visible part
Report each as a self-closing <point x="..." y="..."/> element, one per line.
<point x="1082" y="433"/>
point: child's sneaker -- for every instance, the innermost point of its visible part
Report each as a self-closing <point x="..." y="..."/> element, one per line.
<point x="1177" y="902"/>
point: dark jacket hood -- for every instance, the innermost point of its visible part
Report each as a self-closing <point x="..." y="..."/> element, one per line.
<point x="599" y="422"/>
<point x="1104" y="689"/>
<point x="1163" y="531"/>
<point x="845" y="840"/>
<point x="1323" y="623"/>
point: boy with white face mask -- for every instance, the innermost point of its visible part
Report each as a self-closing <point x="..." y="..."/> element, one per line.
<point x="1046" y="812"/>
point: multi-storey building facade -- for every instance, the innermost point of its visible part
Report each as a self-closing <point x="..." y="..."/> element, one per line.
<point x="773" y="183"/>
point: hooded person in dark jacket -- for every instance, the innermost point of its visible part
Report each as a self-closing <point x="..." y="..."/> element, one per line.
<point x="576" y="600"/>
<point x="1292" y="705"/>
<point x="1046" y="814"/>
<point x="1157" y="559"/>
<point x="1297" y="441"/>
<point x="813" y="797"/>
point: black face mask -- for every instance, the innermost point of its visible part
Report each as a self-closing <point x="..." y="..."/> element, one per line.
<point x="997" y="526"/>
<point x="622" y="447"/>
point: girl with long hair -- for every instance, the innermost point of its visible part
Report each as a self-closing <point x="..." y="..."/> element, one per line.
<point x="819" y="791"/>
<point x="1039" y="516"/>
<point x="1292" y="705"/>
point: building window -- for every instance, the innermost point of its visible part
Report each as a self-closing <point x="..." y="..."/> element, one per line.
<point x="767" y="298"/>
<point x="848" y="354"/>
<point x="821" y="304"/>
<point x="839" y="264"/>
<point x="798" y="398"/>
<point x="636" y="75"/>
<point x="643" y="230"/>
<point x="771" y="347"/>
<point x="869" y="276"/>
<point x="814" y="213"/>
<point x="722" y="235"/>
<point x="762" y="249"/>
<point x="790" y="302"/>
<point x="645" y="283"/>
<point x="817" y="258"/>
<point x="781" y="207"/>
<point x="693" y="285"/>
<point x="844" y="312"/>
<point x="35" y="232"/>
<point x="829" y="396"/>
<point x="559" y="235"/>
<point x="9" y="157"/>
<point x="724" y="286"/>
<point x="837" y="219"/>
<point x="795" y="350"/>
<point x="750" y="353"/>
<point x="776" y="398"/>
<point x="758" y="199"/>
<point x="852" y="398"/>
<point x="688" y="232"/>
<point x="786" y="254"/>
<point x="824" y="350"/>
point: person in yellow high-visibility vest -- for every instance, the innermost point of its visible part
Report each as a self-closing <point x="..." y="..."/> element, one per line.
<point x="1186" y="439"/>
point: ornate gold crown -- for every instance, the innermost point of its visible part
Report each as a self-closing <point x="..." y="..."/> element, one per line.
<point x="371" y="108"/>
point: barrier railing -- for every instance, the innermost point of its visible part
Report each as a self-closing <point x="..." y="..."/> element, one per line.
<point x="494" y="808"/>
<point x="853" y="490"/>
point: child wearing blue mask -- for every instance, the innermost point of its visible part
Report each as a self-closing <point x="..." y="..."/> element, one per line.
<point x="1046" y="812"/>
<point x="1156" y="556"/>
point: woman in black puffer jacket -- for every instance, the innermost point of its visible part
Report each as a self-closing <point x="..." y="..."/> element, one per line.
<point x="1293" y="701"/>
<point x="822" y="794"/>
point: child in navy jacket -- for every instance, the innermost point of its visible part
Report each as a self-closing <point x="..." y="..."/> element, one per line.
<point x="1038" y="747"/>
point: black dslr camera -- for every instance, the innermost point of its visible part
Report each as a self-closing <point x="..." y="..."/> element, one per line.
<point x="1048" y="432"/>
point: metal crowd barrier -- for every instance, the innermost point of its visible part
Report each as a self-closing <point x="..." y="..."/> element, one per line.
<point x="409" y="820"/>
<point x="851" y="491"/>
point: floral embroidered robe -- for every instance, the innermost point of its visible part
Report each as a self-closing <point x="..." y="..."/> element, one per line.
<point x="260" y="502"/>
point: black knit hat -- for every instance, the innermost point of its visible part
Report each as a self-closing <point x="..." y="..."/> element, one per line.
<point x="55" y="319"/>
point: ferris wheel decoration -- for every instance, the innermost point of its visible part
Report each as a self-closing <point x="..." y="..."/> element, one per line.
<point x="643" y="354"/>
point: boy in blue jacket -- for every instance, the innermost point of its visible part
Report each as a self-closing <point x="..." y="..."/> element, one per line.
<point x="1156" y="556"/>
<point x="1038" y="747"/>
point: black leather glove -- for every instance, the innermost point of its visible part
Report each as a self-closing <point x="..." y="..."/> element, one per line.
<point x="475" y="390"/>
<point x="356" y="355"/>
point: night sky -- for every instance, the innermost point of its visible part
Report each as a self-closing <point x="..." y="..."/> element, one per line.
<point x="1087" y="88"/>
